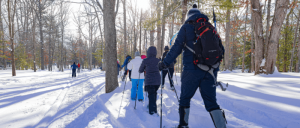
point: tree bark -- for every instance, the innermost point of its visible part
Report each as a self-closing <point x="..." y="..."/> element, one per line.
<point x="41" y="37"/>
<point x="158" y="36"/>
<point x="258" y="34"/>
<point x="2" y="36"/>
<point x="124" y="20"/>
<point x="252" y="46"/>
<point x="163" y="27"/>
<point x="294" y="43"/>
<point x="267" y="29"/>
<point x="140" y="46"/>
<point x="111" y="79"/>
<point x="152" y="38"/>
<point x="280" y="13"/>
<point x="11" y="16"/>
<point x="243" y="65"/>
<point x="227" y="40"/>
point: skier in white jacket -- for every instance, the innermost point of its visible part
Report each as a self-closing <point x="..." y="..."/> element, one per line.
<point x="136" y="77"/>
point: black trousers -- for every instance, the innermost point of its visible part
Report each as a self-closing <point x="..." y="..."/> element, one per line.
<point x="73" y="72"/>
<point x="152" y="95"/>
<point x="125" y="73"/>
<point x="165" y="72"/>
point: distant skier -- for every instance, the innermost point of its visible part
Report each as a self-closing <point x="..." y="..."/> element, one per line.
<point x="170" y="68"/>
<point x="152" y="77"/>
<point x="127" y="60"/>
<point x="78" y="67"/>
<point x="137" y="78"/>
<point x="143" y="56"/>
<point x="192" y="76"/>
<point x="74" y="66"/>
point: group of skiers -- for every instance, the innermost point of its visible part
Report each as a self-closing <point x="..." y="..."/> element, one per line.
<point x="197" y="73"/>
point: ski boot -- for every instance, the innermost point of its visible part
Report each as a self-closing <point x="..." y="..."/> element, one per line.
<point x="184" y="117"/>
<point x="218" y="117"/>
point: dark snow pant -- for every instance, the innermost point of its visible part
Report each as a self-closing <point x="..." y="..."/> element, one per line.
<point x="192" y="80"/>
<point x="73" y="72"/>
<point x="152" y="95"/>
<point x="125" y="73"/>
<point x="165" y="72"/>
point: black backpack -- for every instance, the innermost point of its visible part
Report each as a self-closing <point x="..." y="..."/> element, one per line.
<point x="208" y="49"/>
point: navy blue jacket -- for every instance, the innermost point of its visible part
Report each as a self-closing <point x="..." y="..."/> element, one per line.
<point x="150" y="65"/>
<point x="186" y="35"/>
<point x="74" y="66"/>
<point x="126" y="62"/>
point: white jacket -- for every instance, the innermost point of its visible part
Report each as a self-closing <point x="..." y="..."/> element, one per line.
<point x="134" y="66"/>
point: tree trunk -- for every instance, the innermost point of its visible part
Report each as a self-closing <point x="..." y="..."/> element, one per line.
<point x="2" y="36"/>
<point x="41" y="37"/>
<point x="124" y="20"/>
<point x="163" y="27"/>
<point x="11" y="16"/>
<point x="140" y="46"/>
<point x="243" y="65"/>
<point x="258" y="34"/>
<point x="252" y="46"/>
<point x="111" y="76"/>
<point x="294" y="43"/>
<point x="152" y="38"/>
<point x="280" y="13"/>
<point x="158" y="36"/>
<point x="267" y="29"/>
<point x="227" y="40"/>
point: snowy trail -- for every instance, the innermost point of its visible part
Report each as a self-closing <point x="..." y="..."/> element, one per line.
<point x="55" y="100"/>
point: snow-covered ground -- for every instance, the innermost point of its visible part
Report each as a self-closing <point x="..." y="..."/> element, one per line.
<point x="54" y="99"/>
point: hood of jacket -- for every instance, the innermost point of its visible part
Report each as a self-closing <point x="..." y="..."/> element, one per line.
<point x="152" y="52"/>
<point x="129" y="57"/>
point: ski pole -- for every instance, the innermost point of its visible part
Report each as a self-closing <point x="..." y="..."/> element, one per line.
<point x="125" y="85"/>
<point x="122" y="97"/>
<point x="161" y="100"/>
<point x="137" y="88"/>
<point x="172" y="82"/>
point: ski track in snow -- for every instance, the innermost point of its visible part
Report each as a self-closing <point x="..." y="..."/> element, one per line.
<point x="55" y="100"/>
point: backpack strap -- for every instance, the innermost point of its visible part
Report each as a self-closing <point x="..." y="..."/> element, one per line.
<point x="206" y="68"/>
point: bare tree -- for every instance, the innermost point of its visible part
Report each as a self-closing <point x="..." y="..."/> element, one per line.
<point x="280" y="13"/>
<point x="243" y="65"/>
<point x="11" y="10"/>
<point x="2" y="36"/>
<point x="227" y="39"/>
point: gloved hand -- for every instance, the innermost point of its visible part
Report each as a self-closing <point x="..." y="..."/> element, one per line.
<point x="162" y="66"/>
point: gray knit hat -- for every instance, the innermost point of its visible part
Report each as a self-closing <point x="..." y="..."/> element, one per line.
<point x="137" y="53"/>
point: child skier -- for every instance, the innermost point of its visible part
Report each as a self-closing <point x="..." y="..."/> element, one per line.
<point x="136" y="77"/>
<point x="74" y="66"/>
<point x="152" y="77"/>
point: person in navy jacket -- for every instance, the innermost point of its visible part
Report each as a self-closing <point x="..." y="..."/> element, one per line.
<point x="192" y="76"/>
<point x="74" y="66"/>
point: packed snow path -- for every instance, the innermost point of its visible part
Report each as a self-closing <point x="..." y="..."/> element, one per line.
<point x="55" y="100"/>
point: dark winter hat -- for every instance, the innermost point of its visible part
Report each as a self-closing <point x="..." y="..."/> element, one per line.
<point x="74" y="63"/>
<point x="137" y="53"/>
<point x="166" y="48"/>
<point x="193" y="11"/>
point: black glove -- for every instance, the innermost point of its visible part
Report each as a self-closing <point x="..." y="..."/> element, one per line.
<point x="162" y="66"/>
